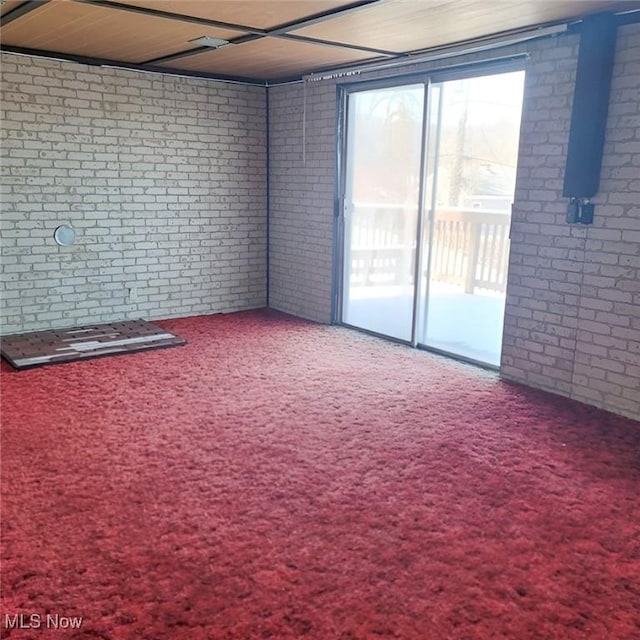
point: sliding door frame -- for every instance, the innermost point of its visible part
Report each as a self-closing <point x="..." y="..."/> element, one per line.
<point x="422" y="194"/>
<point x="496" y="66"/>
<point x="340" y="228"/>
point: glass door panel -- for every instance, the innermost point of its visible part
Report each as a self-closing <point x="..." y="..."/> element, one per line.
<point x="382" y="183"/>
<point x="473" y="150"/>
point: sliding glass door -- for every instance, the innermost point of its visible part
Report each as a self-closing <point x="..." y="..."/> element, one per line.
<point x="381" y="201"/>
<point x="428" y="180"/>
<point x="473" y="133"/>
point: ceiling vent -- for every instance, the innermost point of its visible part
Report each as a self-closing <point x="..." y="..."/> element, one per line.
<point x="213" y="43"/>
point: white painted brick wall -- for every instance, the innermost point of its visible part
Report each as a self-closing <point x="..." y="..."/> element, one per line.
<point x="572" y="323"/>
<point x="607" y="369"/>
<point x="301" y="187"/>
<point x="546" y="254"/>
<point x="164" y="179"/>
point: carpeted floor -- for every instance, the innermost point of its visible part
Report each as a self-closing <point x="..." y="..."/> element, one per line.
<point x="279" y="479"/>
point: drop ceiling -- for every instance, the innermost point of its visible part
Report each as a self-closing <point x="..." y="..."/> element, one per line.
<point x="268" y="40"/>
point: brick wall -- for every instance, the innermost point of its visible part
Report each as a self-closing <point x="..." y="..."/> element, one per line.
<point x="573" y="309"/>
<point x="162" y="177"/>
<point x="572" y="321"/>
<point x="301" y="187"/>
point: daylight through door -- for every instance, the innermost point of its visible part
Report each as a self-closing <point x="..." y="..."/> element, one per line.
<point x="429" y="180"/>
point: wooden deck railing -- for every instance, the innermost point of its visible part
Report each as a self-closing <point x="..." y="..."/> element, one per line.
<point x="470" y="248"/>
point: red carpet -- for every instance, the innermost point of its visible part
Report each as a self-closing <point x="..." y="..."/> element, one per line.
<point x="279" y="479"/>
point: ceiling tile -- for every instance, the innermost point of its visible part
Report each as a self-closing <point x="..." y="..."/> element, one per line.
<point x="268" y="58"/>
<point x="407" y="25"/>
<point x="93" y="31"/>
<point x="253" y="13"/>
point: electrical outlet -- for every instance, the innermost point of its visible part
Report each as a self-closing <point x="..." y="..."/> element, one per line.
<point x="132" y="294"/>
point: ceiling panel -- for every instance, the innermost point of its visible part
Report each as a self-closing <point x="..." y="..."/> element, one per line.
<point x="9" y="5"/>
<point x="267" y="58"/>
<point x="81" y="29"/>
<point x="406" y="25"/>
<point x="252" y="13"/>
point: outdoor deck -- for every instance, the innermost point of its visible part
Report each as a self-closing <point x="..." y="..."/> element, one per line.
<point x="460" y="323"/>
<point x="467" y="273"/>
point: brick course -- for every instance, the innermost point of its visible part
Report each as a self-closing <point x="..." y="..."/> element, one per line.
<point x="572" y="322"/>
<point x="301" y="186"/>
<point x="164" y="179"/>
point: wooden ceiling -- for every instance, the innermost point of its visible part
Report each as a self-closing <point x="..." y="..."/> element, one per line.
<point x="269" y="40"/>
